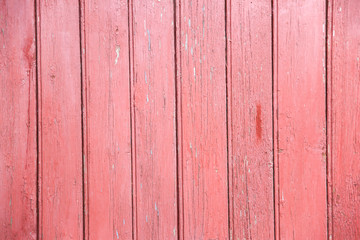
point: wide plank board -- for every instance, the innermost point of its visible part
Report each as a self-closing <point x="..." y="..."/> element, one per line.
<point x="344" y="115"/>
<point x="18" y="154"/>
<point x="61" y="201"/>
<point x="154" y="133"/>
<point x="203" y="120"/>
<point x="250" y="119"/>
<point x="299" y="54"/>
<point x="107" y="119"/>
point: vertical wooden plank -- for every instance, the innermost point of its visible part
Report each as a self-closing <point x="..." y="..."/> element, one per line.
<point x="60" y="96"/>
<point x="250" y="106"/>
<point x="203" y="120"/>
<point x="154" y="118"/>
<point x="300" y="115"/>
<point x="17" y="120"/>
<point x="344" y="102"/>
<point x="108" y="119"/>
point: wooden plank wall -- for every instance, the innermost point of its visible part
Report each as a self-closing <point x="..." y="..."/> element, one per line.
<point x="183" y="119"/>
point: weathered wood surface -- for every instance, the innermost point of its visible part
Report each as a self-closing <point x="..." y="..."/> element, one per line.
<point x="179" y="119"/>
<point x="17" y="120"/>
<point x="154" y="132"/>
<point x="299" y="51"/>
<point x="250" y="119"/>
<point x="60" y="130"/>
<point x="107" y="119"/>
<point x="344" y="115"/>
<point x="203" y="120"/>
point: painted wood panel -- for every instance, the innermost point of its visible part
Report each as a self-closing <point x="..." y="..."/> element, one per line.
<point x="154" y="133"/>
<point x="300" y="114"/>
<point x="344" y="115"/>
<point x="179" y="119"/>
<point x="108" y="128"/>
<point x="18" y="153"/>
<point x="60" y="120"/>
<point x="203" y="120"/>
<point x="250" y="119"/>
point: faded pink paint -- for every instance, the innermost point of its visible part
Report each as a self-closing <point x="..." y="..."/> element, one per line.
<point x="183" y="119"/>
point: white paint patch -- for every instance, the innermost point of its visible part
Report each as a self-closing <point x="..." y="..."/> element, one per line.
<point x="149" y="40"/>
<point x="156" y="209"/>
<point x="117" y="54"/>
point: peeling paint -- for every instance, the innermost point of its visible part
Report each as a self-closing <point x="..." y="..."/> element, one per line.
<point x="117" y="54"/>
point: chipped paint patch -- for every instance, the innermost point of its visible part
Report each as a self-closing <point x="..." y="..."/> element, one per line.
<point x="117" y="54"/>
<point x="149" y="40"/>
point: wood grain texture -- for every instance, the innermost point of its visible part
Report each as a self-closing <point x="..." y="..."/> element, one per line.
<point x="203" y="120"/>
<point x="153" y="94"/>
<point x="344" y="114"/>
<point x="250" y="120"/>
<point x="108" y="120"/>
<point x="17" y="120"/>
<point x="300" y="115"/>
<point x="60" y="100"/>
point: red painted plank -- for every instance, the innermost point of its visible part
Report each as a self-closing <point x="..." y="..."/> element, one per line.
<point x="153" y="94"/>
<point x="17" y="120"/>
<point x="250" y="120"/>
<point x="300" y="116"/>
<point x="203" y="120"/>
<point x="60" y="100"/>
<point x="344" y="115"/>
<point x="108" y="120"/>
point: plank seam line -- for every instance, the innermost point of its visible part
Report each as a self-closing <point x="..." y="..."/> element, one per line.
<point x="227" y="89"/>
<point x="177" y="121"/>
<point x="328" y="107"/>
<point x="275" y="133"/>
<point x="36" y="5"/>
<point x="83" y="122"/>
<point x="326" y="119"/>
<point x="132" y="121"/>
<point x="273" y="117"/>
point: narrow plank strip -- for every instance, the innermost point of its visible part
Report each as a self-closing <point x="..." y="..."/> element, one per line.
<point x="250" y="86"/>
<point x="18" y="152"/>
<point x="301" y="120"/>
<point x="61" y="151"/>
<point x="344" y="116"/>
<point x="203" y="120"/>
<point x="108" y="119"/>
<point x="154" y="117"/>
